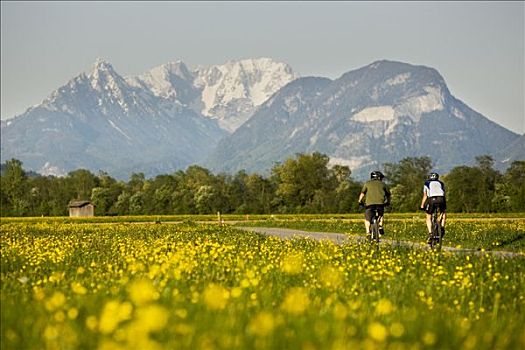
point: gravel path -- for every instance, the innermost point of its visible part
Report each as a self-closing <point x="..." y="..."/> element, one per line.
<point x="341" y="238"/>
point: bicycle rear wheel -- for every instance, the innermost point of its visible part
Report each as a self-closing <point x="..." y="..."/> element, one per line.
<point x="435" y="234"/>
<point x="374" y="230"/>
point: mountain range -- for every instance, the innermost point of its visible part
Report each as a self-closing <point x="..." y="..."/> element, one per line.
<point x="158" y="122"/>
<point x="250" y="114"/>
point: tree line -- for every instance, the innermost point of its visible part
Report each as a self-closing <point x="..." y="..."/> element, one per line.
<point x="303" y="184"/>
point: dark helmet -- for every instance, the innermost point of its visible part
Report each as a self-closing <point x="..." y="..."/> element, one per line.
<point x="376" y="175"/>
<point x="433" y="176"/>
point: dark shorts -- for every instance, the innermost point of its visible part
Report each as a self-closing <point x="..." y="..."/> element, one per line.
<point x="369" y="212"/>
<point x="433" y="202"/>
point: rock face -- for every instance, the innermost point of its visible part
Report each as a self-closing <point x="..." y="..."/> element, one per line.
<point x="380" y="113"/>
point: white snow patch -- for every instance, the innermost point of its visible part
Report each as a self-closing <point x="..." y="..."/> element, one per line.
<point x="458" y="114"/>
<point x="53" y="170"/>
<point x="118" y="129"/>
<point x="255" y="79"/>
<point x="372" y="114"/>
<point x="398" y="79"/>
<point x="314" y="138"/>
<point x="391" y="127"/>
<point x="416" y="106"/>
<point x="351" y="162"/>
<point x="294" y="132"/>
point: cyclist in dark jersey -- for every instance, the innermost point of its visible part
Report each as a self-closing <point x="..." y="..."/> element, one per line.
<point x="376" y="195"/>
<point x="434" y="196"/>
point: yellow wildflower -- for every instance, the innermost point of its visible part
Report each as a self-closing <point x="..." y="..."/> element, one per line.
<point x="112" y="314"/>
<point x="296" y="301"/>
<point x="78" y="288"/>
<point x="57" y="300"/>
<point x="397" y="329"/>
<point x="142" y="292"/>
<point x="215" y="297"/>
<point x="384" y="307"/>
<point x="152" y="317"/>
<point x="377" y="331"/>
<point x="262" y="324"/>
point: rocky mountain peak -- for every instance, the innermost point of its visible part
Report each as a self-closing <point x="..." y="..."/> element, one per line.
<point x="104" y="77"/>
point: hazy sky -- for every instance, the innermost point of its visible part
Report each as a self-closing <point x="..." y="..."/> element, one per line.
<point x="478" y="47"/>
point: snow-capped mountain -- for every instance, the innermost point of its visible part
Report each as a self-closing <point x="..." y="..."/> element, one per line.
<point x="229" y="92"/>
<point x="100" y="121"/>
<point x="172" y="116"/>
<point x="380" y="113"/>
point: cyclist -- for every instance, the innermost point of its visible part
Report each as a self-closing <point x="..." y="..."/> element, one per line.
<point x="376" y="195"/>
<point x="434" y="196"/>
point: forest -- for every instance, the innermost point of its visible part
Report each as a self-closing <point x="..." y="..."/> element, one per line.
<point x="301" y="184"/>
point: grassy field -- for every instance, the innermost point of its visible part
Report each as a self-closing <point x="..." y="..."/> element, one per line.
<point x="204" y="286"/>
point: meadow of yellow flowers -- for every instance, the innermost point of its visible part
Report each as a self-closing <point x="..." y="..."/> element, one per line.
<point x="204" y="286"/>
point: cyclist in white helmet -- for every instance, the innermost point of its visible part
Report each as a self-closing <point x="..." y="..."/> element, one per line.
<point x="434" y="196"/>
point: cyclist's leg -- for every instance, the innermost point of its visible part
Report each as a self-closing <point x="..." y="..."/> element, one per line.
<point x="443" y="220"/>
<point x="444" y="211"/>
<point x="368" y="217"/>
<point x="442" y="215"/>
<point x="429" y="208"/>
<point x="381" y="211"/>
<point x="429" y="223"/>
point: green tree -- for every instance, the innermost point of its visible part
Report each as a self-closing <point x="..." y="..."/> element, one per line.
<point x="406" y="180"/>
<point x="105" y="196"/>
<point x="122" y="204"/>
<point x="462" y="189"/>
<point x="14" y="187"/>
<point x="475" y="189"/>
<point x="305" y="184"/>
<point x="489" y="178"/>
<point x="514" y="185"/>
<point x="82" y="182"/>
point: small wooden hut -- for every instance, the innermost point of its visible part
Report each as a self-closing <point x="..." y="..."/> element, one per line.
<point x="81" y="209"/>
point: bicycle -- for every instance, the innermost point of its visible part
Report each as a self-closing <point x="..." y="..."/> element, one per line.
<point x="435" y="237"/>
<point x="373" y="232"/>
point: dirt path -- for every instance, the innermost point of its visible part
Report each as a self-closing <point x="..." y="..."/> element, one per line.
<point x="341" y="238"/>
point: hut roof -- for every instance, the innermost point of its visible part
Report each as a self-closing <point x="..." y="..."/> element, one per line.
<point x="78" y="204"/>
